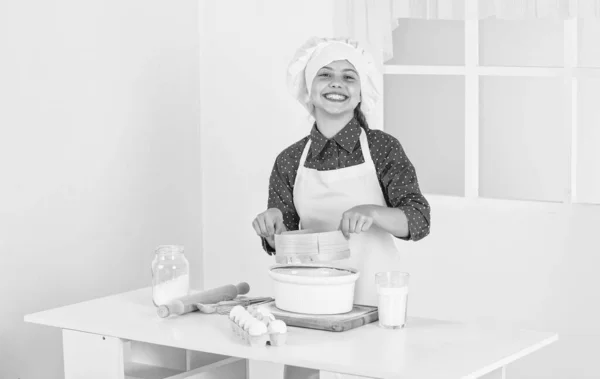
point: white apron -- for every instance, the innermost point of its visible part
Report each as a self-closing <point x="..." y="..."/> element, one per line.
<point x="320" y="198"/>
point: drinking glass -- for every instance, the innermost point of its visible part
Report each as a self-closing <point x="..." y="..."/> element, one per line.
<point x="392" y="294"/>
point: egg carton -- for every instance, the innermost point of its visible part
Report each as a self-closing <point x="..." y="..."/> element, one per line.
<point x="255" y="327"/>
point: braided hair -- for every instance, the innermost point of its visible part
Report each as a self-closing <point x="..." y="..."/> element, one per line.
<point x="360" y="117"/>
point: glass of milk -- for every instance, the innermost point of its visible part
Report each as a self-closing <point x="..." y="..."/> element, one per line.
<point x="392" y="298"/>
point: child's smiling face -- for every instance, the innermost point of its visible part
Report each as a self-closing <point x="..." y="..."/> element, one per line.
<point x="336" y="88"/>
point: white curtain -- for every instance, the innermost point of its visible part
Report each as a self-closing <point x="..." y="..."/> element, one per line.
<point x="371" y="22"/>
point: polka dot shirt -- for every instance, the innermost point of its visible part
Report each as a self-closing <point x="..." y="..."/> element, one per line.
<point x="397" y="176"/>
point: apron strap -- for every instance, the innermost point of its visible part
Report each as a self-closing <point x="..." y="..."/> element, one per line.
<point x="304" y="154"/>
<point x="364" y="146"/>
<point x="299" y="174"/>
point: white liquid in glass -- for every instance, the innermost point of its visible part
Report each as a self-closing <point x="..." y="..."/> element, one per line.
<point x="392" y="305"/>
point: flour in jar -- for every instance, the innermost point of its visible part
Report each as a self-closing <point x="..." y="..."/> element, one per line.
<point x="392" y="305"/>
<point x="172" y="289"/>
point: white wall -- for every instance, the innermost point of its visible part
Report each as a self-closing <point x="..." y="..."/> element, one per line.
<point x="99" y="158"/>
<point x="532" y="266"/>
<point x="247" y="118"/>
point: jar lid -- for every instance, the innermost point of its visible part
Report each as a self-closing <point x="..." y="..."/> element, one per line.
<point x="169" y="249"/>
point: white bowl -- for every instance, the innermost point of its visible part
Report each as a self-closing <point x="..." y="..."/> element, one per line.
<point x="314" y="289"/>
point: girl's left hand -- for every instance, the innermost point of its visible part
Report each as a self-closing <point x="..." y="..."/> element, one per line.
<point x="356" y="219"/>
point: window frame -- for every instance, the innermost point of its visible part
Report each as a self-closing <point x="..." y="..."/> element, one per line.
<point x="571" y="74"/>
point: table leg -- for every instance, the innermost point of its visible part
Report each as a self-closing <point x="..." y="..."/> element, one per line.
<point x="263" y="370"/>
<point x="92" y="356"/>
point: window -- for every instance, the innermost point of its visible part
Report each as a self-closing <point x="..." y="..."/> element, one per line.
<point x="498" y="109"/>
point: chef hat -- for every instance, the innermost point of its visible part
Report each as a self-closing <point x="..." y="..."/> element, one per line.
<point x="318" y="52"/>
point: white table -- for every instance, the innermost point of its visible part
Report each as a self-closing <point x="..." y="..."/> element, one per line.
<point x="121" y="336"/>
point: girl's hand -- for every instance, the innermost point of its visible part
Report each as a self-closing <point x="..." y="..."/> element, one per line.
<point x="269" y="223"/>
<point x="357" y="219"/>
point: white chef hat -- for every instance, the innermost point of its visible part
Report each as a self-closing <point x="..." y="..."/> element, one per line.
<point x="318" y="52"/>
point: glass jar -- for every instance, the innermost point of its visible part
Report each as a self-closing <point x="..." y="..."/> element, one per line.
<point x="170" y="274"/>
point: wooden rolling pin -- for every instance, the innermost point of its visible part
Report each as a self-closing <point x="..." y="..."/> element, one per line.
<point x="188" y="303"/>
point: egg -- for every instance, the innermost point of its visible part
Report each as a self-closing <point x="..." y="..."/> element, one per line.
<point x="238" y="317"/>
<point x="242" y="323"/>
<point x="235" y="311"/>
<point x="277" y="326"/>
<point x="251" y="321"/>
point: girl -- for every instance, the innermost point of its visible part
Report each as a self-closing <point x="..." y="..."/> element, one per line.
<point x="344" y="175"/>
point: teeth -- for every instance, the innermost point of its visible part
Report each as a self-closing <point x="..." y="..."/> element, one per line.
<point x="334" y="96"/>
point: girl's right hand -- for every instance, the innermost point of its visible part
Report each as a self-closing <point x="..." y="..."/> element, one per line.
<point x="269" y="223"/>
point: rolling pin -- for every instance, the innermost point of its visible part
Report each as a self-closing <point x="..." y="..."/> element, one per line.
<point x="188" y="303"/>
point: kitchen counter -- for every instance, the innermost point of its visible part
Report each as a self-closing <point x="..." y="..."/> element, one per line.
<point x="121" y="336"/>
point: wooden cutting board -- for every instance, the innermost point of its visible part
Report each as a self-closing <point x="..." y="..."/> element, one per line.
<point x="360" y="315"/>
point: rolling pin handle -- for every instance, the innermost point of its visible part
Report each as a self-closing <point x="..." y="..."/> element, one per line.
<point x="243" y="288"/>
<point x="163" y="311"/>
